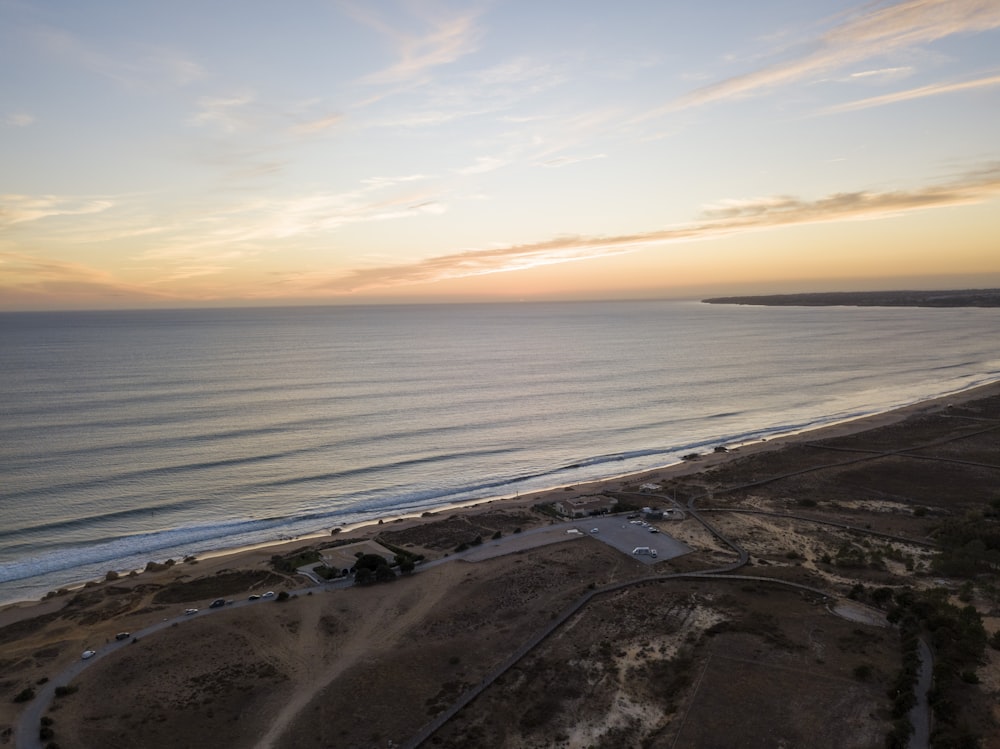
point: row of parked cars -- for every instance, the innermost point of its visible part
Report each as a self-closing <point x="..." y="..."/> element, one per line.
<point x="218" y="603"/>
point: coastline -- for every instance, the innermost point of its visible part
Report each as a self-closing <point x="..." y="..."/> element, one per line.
<point x="255" y="555"/>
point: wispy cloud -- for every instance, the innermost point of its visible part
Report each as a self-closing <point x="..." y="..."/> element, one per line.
<point x="19" y="119"/>
<point x="140" y="67"/>
<point x="267" y="222"/>
<point x="27" y="281"/>
<point x="319" y="125"/>
<point x="567" y="160"/>
<point x="17" y="209"/>
<point x="228" y="113"/>
<point x="875" y="32"/>
<point x="444" y="40"/>
<point x="483" y="164"/>
<point x="915" y="93"/>
<point x="882" y="74"/>
<point x="729" y="217"/>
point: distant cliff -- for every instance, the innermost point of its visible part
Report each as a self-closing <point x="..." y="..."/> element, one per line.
<point x="962" y="298"/>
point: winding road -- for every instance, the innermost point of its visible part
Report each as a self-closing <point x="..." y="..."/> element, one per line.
<point x="26" y="734"/>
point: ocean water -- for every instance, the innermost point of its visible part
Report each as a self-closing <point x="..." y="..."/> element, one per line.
<point x="134" y="436"/>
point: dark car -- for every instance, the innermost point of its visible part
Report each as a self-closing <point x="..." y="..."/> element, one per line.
<point x="122" y="635"/>
<point x="217" y="603"/>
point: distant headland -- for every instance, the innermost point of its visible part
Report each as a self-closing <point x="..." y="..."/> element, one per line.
<point x="960" y="298"/>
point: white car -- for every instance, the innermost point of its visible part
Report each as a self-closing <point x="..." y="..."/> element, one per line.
<point x="269" y="594"/>
<point x="595" y="530"/>
<point x="189" y="612"/>
<point x="88" y="654"/>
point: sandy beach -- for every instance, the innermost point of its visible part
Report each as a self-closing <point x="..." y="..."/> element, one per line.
<point x="450" y="624"/>
<point x="258" y="554"/>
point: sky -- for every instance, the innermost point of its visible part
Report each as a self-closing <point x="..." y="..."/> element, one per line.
<point x="169" y="154"/>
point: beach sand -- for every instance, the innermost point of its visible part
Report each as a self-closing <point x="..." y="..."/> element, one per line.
<point x="415" y="644"/>
<point x="258" y="555"/>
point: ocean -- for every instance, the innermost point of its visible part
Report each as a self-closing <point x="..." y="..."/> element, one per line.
<point x="132" y="436"/>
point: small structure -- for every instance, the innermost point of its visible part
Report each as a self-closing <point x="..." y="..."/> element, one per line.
<point x="650" y="488"/>
<point x="582" y="507"/>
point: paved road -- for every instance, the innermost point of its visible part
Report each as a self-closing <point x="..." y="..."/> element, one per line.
<point x="611" y="529"/>
<point x="26" y="728"/>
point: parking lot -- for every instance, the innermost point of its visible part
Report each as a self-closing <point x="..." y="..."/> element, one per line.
<point x="627" y="535"/>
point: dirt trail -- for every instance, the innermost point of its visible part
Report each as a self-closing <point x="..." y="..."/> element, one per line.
<point x="312" y="661"/>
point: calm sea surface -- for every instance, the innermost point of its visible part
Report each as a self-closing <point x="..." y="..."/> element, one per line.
<point x="132" y="436"/>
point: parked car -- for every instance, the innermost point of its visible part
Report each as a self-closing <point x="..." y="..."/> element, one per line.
<point x="88" y="654"/>
<point x="218" y="603"/>
<point x="188" y="612"/>
<point x="254" y="597"/>
<point x="122" y="635"/>
<point x="269" y="594"/>
<point x="595" y="530"/>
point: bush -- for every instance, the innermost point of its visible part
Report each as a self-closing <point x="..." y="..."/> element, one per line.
<point x="63" y="691"/>
<point x="25" y="695"/>
<point x="863" y="672"/>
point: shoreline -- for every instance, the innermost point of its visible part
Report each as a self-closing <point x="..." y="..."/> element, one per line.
<point x="251" y="555"/>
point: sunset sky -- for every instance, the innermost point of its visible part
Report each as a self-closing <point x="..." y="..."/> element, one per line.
<point x="350" y="151"/>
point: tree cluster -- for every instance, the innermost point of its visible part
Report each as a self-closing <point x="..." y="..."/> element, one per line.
<point x="958" y="639"/>
<point x="969" y="545"/>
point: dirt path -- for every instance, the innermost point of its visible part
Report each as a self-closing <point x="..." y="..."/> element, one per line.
<point x="314" y="669"/>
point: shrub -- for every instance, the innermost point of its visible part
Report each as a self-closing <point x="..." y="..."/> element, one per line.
<point x="25" y="695"/>
<point x="863" y="672"/>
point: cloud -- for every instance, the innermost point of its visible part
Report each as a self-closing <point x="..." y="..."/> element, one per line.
<point x="227" y="113"/>
<point x="730" y="217"/>
<point x="874" y="33"/>
<point x="319" y="125"/>
<point x="19" y="119"/>
<point x="914" y="93"/>
<point x="883" y="74"/>
<point x="256" y="223"/>
<point x="140" y="67"/>
<point x="17" y="209"/>
<point x="567" y="160"/>
<point x="30" y="281"/>
<point x="447" y="40"/>
<point x="483" y="164"/>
